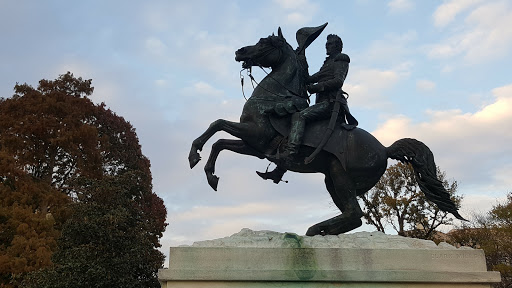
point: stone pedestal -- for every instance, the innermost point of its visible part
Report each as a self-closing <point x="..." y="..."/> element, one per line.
<point x="271" y="259"/>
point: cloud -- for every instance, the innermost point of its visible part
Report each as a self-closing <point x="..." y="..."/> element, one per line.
<point x="161" y="82"/>
<point x="447" y="12"/>
<point x="472" y="147"/>
<point x="390" y="49"/>
<point x="367" y="86"/>
<point x="297" y="18"/>
<point x="213" y="56"/>
<point x="486" y="33"/>
<point x="155" y="46"/>
<point x="106" y="92"/>
<point x="203" y="103"/>
<point x="298" y="12"/>
<point x="479" y="204"/>
<point x="203" y="88"/>
<point x="425" y="85"/>
<point x="292" y="4"/>
<point x="199" y="37"/>
<point x="400" y="5"/>
<point x="247" y="209"/>
<point x="106" y="89"/>
<point x="245" y="200"/>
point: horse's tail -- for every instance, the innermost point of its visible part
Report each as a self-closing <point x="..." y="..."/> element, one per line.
<point x="419" y="155"/>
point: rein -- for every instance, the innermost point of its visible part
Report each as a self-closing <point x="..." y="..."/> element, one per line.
<point x="295" y="94"/>
<point x="251" y="63"/>
<point x="257" y="84"/>
<point x="249" y="73"/>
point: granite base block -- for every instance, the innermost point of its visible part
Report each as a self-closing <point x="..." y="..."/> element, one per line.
<point x="271" y="259"/>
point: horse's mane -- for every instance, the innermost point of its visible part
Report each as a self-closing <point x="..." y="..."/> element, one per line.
<point x="302" y="65"/>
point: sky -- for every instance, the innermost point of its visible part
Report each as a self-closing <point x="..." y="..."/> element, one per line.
<point x="437" y="71"/>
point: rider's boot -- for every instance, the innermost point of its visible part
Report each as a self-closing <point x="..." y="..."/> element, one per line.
<point x="275" y="175"/>
<point x="294" y="138"/>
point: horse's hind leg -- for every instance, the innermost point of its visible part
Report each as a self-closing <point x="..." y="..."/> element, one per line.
<point x="343" y="193"/>
<point x="237" y="146"/>
<point x="239" y="130"/>
<point x="332" y="191"/>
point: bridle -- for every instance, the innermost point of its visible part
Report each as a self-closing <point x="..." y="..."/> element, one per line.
<point x="247" y="65"/>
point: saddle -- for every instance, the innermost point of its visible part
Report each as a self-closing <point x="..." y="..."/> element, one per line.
<point x="313" y="133"/>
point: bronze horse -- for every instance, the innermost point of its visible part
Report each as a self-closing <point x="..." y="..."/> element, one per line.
<point x="352" y="165"/>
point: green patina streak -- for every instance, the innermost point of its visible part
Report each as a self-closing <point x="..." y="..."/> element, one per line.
<point x="303" y="260"/>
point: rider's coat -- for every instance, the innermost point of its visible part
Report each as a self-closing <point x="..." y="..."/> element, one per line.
<point x="331" y="76"/>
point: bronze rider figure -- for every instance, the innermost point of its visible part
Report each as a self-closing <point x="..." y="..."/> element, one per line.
<point x="326" y="83"/>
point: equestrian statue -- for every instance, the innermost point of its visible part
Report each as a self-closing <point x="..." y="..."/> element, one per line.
<point x="278" y="124"/>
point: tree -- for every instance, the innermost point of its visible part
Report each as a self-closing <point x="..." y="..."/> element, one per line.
<point x="398" y="201"/>
<point x="102" y="244"/>
<point x="492" y="233"/>
<point x="27" y="237"/>
<point x="55" y="137"/>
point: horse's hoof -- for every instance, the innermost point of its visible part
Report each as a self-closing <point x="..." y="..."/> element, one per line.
<point x="314" y="230"/>
<point x="193" y="159"/>
<point x="346" y="226"/>
<point x="213" y="181"/>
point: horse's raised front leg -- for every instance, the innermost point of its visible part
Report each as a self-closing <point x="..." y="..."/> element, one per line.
<point x="239" y="130"/>
<point x="237" y="146"/>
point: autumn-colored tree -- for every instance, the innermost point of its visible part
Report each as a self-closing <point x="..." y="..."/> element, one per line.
<point x="492" y="233"/>
<point x="55" y="138"/>
<point x="27" y="236"/>
<point x="397" y="200"/>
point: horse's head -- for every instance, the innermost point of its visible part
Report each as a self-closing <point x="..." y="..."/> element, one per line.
<point x="268" y="52"/>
